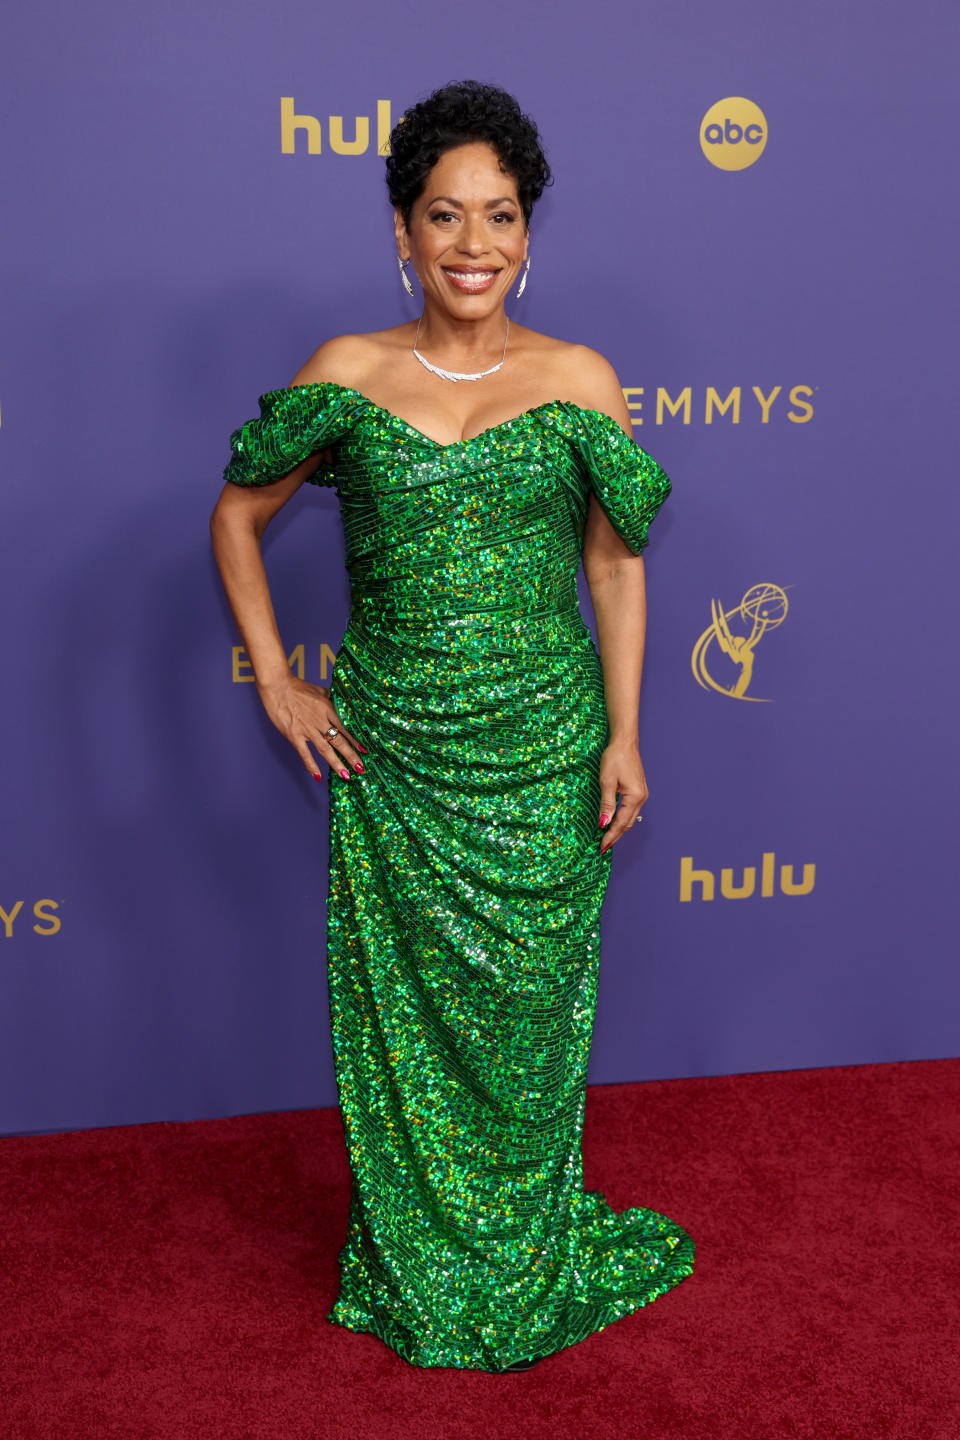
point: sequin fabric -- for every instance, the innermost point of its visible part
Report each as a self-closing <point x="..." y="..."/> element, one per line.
<point x="466" y="878"/>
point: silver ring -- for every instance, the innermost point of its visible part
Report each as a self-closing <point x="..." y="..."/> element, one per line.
<point x="638" y="819"/>
<point x="331" y="732"/>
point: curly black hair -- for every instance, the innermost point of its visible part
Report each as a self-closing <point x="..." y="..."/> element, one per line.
<point x="456" y="115"/>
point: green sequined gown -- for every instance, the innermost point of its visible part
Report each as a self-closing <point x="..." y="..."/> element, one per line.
<point x="466" y="878"/>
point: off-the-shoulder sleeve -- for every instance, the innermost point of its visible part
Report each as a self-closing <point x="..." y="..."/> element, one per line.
<point x="292" y="425"/>
<point x="628" y="483"/>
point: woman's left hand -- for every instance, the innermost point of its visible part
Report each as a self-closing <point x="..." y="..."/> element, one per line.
<point x="621" y="773"/>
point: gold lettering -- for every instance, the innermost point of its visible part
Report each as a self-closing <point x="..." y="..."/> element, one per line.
<point x="740" y="892"/>
<point x="790" y="887"/>
<point x="748" y="885"/>
<point x="689" y="877"/>
<point x="766" y="400"/>
<point x="636" y="405"/>
<point x="328" y="659"/>
<point x="766" y="873"/>
<point x="714" y="402"/>
<point x="358" y="144"/>
<point x="40" y="910"/>
<point x="665" y="403"/>
<point x="291" y="123"/>
<point x="383" y="127"/>
<point x="241" y="662"/>
<point x="803" y="404"/>
<point x="9" y="919"/>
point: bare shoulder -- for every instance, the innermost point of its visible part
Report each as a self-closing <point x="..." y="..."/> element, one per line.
<point x="594" y="384"/>
<point x="584" y="377"/>
<point x="350" y="359"/>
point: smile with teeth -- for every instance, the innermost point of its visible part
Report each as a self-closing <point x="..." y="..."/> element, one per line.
<point x="470" y="279"/>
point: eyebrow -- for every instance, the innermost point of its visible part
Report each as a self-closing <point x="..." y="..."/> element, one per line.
<point x="458" y="204"/>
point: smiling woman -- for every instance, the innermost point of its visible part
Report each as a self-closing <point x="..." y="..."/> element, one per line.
<point x="477" y="464"/>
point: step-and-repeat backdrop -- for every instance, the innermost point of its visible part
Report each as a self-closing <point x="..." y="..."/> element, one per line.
<point x="754" y="218"/>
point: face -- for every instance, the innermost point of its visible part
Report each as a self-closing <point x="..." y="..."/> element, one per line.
<point x="467" y="237"/>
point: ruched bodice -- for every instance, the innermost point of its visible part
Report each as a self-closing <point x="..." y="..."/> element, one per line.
<point x="466" y="879"/>
<point x="491" y="524"/>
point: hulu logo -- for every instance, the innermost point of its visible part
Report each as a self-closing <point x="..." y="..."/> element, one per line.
<point x="747" y="883"/>
<point x="307" y="131"/>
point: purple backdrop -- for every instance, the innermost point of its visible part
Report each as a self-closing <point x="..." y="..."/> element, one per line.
<point x="165" y="262"/>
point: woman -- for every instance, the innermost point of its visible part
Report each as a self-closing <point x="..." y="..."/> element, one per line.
<point x="476" y="462"/>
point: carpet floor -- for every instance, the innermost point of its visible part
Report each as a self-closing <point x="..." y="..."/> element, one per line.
<point x="170" y="1281"/>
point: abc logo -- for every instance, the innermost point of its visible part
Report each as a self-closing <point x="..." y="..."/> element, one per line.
<point x="733" y="133"/>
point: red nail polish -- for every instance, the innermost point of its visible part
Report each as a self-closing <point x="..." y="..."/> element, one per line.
<point x="603" y="820"/>
<point x="361" y="748"/>
<point x="345" y="774"/>
<point x="359" y="767"/>
<point x="317" y="775"/>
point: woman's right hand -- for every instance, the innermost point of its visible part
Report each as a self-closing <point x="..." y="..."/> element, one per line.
<point x="303" y="712"/>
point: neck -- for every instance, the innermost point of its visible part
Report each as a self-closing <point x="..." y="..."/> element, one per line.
<point x="446" y="335"/>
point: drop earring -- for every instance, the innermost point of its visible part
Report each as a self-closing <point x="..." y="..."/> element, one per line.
<point x="404" y="276"/>
<point x="523" y="282"/>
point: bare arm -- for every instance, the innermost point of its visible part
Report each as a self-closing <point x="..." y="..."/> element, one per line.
<point x="237" y="524"/>
<point x="617" y="582"/>
<point x="300" y="711"/>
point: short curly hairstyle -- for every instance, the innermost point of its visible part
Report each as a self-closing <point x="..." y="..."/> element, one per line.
<point x="455" y="115"/>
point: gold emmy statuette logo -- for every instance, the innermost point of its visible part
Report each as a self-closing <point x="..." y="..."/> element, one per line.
<point x="762" y="608"/>
<point x="733" y="133"/>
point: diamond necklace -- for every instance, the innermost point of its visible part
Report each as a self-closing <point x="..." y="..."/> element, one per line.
<point x="460" y="374"/>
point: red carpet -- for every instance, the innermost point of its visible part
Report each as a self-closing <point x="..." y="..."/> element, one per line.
<point x="171" y="1280"/>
